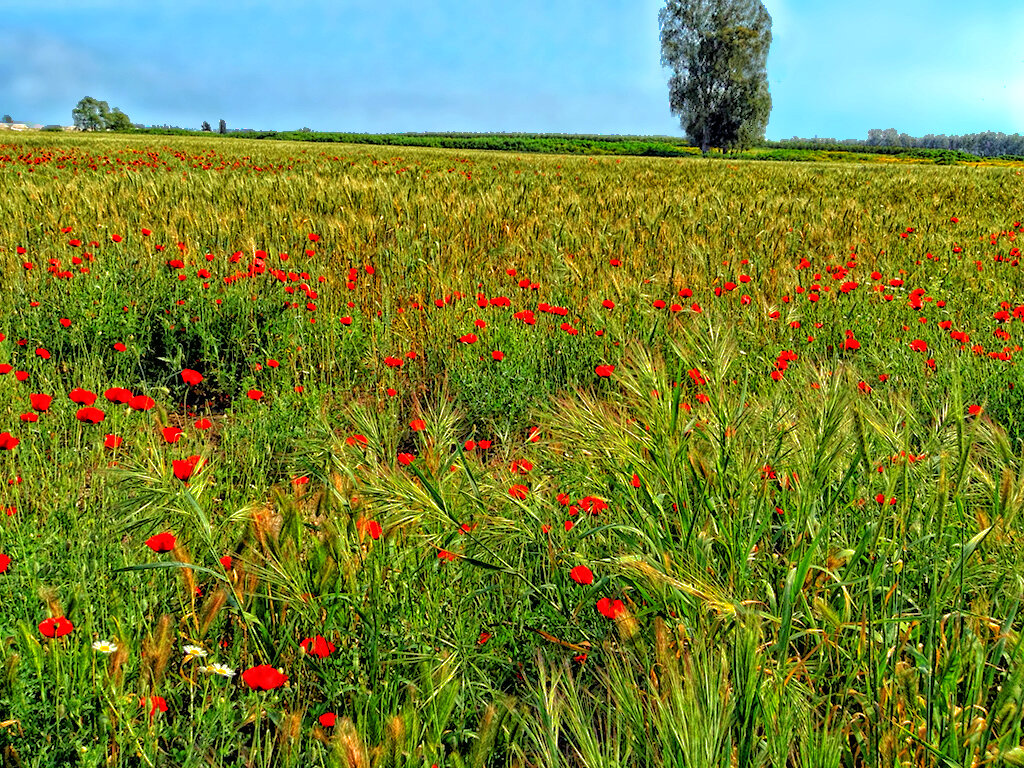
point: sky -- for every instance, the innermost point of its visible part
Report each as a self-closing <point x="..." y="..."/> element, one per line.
<point x="835" y="69"/>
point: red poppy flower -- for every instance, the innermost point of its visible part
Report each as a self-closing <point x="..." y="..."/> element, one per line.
<point x="264" y="678"/>
<point x="327" y="719"/>
<point x="226" y="562"/>
<point x="418" y="425"/>
<point x="141" y="403"/>
<point x="118" y="395"/>
<point x="161" y="542"/>
<point x="521" y="466"/>
<point x="185" y="468"/>
<point x="610" y="608"/>
<point x="469" y="338"/>
<point x="155" y="703"/>
<point x="254" y="394"/>
<point x="313" y="238"/>
<point x="112" y="441"/>
<point x="5" y="561"/>
<point x="116" y="238"/>
<point x="21" y="375"/>
<point x="445" y="555"/>
<point x="974" y="410"/>
<point x="393" y="362"/>
<point x="919" y="345"/>
<point x="120" y="347"/>
<point x="373" y="528"/>
<point x="30" y="418"/>
<point x="90" y="415"/>
<point x="146" y="232"/>
<point x="6" y="368"/>
<point x="57" y="627"/>
<point x="317" y="646"/>
<point x="582" y="575"/>
<point x="405" y="459"/>
<point x="8" y="442"/>
<point x="190" y="377"/>
<point x="604" y="370"/>
<point x="203" y="424"/>
<point x="43" y="353"/>
<point x="498" y="355"/>
<point x="171" y="434"/>
<point x="40" y="403"/>
<point x="82" y="396"/>
<point x="518" y="492"/>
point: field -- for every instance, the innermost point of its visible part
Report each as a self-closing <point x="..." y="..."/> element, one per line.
<point x="377" y="456"/>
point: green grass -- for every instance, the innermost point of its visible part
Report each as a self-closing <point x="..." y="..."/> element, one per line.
<point x="817" y="553"/>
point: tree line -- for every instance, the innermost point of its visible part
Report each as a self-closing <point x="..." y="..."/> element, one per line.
<point x="984" y="144"/>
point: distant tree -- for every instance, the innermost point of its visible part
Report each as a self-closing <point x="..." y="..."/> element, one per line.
<point x="206" y="126"/>
<point x="90" y="114"/>
<point x="8" y="119"/>
<point x="223" y="127"/>
<point x="118" y="121"/>
<point x="93" y="115"/>
<point x="718" y="52"/>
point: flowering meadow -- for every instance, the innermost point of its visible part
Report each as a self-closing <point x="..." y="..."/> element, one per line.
<point x="324" y="456"/>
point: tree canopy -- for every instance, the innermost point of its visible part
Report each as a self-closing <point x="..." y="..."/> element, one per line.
<point x="718" y="52"/>
<point x="93" y="115"/>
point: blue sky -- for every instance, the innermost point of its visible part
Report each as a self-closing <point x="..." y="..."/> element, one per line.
<point x="836" y="68"/>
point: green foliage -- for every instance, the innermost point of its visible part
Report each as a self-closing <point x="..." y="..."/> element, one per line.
<point x="818" y="557"/>
<point x="718" y="51"/>
<point x="93" y="115"/>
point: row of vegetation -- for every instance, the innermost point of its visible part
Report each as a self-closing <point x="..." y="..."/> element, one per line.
<point x="571" y="144"/>
<point x="355" y="455"/>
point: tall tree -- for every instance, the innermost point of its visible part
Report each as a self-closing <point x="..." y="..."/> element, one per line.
<point x="90" y="114"/>
<point x="205" y="126"/>
<point x="118" y="121"/>
<point x="222" y="127"/>
<point x="718" y="52"/>
<point x="93" y="115"/>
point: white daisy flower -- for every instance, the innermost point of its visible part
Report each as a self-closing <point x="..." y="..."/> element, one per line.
<point x="104" y="646"/>
<point x="219" y="669"/>
<point x="194" y="652"/>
